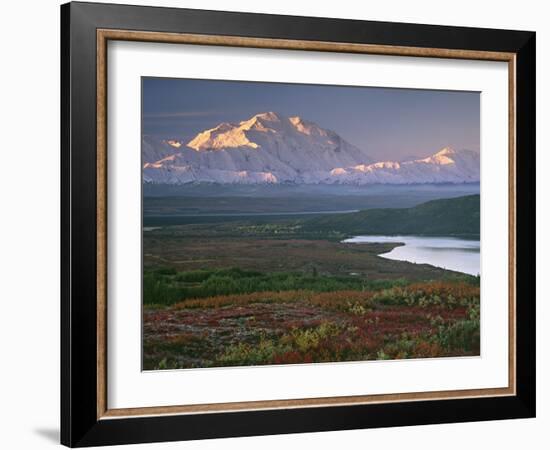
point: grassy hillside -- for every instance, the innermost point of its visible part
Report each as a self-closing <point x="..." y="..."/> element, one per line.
<point x="454" y="216"/>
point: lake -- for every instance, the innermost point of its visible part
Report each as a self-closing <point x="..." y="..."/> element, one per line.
<point x="461" y="255"/>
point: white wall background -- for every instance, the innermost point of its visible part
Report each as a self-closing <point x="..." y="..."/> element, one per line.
<point x="29" y="233"/>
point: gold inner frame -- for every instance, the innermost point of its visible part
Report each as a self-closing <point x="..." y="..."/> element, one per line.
<point x="104" y="35"/>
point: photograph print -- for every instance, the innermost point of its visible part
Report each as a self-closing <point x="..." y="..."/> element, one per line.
<point x="300" y="224"/>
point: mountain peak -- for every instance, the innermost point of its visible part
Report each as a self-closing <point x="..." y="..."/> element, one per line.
<point x="269" y="116"/>
<point x="269" y="129"/>
<point x="225" y="135"/>
<point x="446" y="151"/>
<point x="443" y="157"/>
<point x="267" y="121"/>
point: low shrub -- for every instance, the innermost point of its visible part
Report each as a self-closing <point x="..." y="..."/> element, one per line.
<point x="166" y="286"/>
<point x="462" y="334"/>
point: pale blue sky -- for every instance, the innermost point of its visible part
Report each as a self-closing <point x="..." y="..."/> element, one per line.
<point x="388" y="123"/>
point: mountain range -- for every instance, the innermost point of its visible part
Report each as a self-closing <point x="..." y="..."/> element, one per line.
<point x="270" y="148"/>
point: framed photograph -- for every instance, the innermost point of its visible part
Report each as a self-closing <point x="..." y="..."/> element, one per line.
<point x="276" y="224"/>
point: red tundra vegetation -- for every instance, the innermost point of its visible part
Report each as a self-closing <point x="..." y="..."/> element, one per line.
<point x="421" y="320"/>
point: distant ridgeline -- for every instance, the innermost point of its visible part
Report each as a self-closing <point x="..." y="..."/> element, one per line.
<point x="450" y="217"/>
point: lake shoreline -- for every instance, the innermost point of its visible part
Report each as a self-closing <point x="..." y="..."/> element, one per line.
<point x="447" y="252"/>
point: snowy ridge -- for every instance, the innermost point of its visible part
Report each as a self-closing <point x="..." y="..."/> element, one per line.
<point x="446" y="166"/>
<point x="271" y="148"/>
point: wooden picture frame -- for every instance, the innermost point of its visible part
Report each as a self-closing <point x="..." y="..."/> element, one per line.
<point x="86" y="418"/>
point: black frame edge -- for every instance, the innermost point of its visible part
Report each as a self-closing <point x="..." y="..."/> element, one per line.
<point x="65" y="370"/>
<point x="79" y="425"/>
<point x="78" y="248"/>
<point x="525" y="223"/>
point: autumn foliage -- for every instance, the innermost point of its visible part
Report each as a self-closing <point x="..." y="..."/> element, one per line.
<point x="421" y="320"/>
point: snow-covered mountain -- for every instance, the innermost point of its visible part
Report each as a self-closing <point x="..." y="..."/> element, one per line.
<point x="271" y="148"/>
<point x="446" y="166"/>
